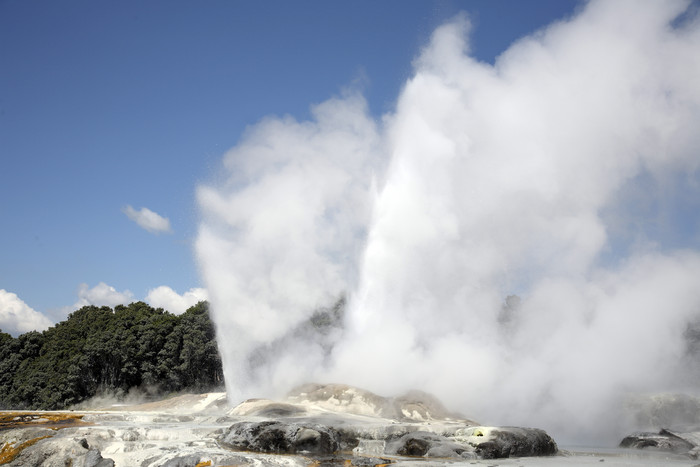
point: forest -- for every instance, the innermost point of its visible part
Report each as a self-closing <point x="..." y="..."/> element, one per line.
<point x="110" y="352"/>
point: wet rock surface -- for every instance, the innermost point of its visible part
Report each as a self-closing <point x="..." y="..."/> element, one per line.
<point x="316" y="425"/>
<point x="680" y="441"/>
<point x="282" y="438"/>
<point x="423" y="444"/>
<point x="516" y="442"/>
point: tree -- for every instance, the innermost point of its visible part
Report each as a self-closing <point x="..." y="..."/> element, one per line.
<point x="99" y="349"/>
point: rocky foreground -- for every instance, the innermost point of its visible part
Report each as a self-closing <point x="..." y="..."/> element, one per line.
<point x="315" y="425"/>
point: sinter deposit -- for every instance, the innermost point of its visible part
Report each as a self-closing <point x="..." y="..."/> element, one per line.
<point x="314" y="425"/>
<point x="326" y="424"/>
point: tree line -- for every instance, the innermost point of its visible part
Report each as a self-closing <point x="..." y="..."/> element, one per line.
<point x="105" y="351"/>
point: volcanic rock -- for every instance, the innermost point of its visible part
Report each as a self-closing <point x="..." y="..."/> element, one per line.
<point x="281" y="438"/>
<point x="501" y="442"/>
<point x="676" y="441"/>
<point x="645" y="440"/>
<point x="94" y="459"/>
<point x="423" y="444"/>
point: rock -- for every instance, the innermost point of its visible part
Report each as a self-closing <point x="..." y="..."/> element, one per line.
<point x="477" y="442"/>
<point x="184" y="461"/>
<point x="94" y="458"/>
<point x="500" y="442"/>
<point x="423" y="444"/>
<point x="653" y="411"/>
<point x="130" y="435"/>
<point x="370" y="461"/>
<point x="661" y="441"/>
<point x="50" y="450"/>
<point x="282" y="438"/>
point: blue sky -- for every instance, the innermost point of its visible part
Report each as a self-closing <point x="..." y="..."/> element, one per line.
<point x="106" y="105"/>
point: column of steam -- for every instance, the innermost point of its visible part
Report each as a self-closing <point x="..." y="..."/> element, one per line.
<point x="280" y="237"/>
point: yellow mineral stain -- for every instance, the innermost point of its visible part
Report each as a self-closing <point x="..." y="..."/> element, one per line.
<point x="9" y="452"/>
<point x="203" y="464"/>
<point x="53" y="420"/>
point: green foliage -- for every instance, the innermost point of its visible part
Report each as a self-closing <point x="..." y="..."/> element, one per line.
<point x="103" y="350"/>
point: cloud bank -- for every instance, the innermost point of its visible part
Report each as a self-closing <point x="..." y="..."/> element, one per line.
<point x="166" y="298"/>
<point x="16" y="317"/>
<point x="148" y="220"/>
<point x="527" y="177"/>
<point x="160" y="297"/>
<point x="101" y="295"/>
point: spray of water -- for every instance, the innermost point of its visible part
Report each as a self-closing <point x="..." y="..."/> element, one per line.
<point x="559" y="174"/>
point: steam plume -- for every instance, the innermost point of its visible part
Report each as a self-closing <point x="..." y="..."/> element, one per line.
<point x="525" y="177"/>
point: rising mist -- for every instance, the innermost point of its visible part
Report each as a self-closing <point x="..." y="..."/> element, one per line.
<point x="551" y="175"/>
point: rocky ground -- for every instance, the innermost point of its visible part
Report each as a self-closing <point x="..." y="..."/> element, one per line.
<point x="316" y="425"/>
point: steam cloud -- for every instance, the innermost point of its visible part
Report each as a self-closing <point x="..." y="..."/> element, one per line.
<point x="546" y="175"/>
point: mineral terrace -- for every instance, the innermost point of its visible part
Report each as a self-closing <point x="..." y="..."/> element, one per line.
<point x="316" y="425"/>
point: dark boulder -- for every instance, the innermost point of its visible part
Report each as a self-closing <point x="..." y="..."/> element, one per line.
<point x="425" y="444"/>
<point x="501" y="442"/>
<point x="94" y="458"/>
<point x="281" y="438"/>
<point x="661" y="441"/>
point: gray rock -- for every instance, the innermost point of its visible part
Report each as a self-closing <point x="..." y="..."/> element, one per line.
<point x="516" y="442"/>
<point x="369" y="461"/>
<point x="52" y="451"/>
<point x="281" y="438"/>
<point x="424" y="444"/>
<point x="661" y="441"/>
<point x="183" y="461"/>
<point x="94" y="458"/>
<point x="501" y="442"/>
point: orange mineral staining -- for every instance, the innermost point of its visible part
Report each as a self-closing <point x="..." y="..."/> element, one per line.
<point x="9" y="452"/>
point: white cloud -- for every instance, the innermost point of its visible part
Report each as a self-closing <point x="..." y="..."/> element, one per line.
<point x="16" y="317"/>
<point x="101" y="295"/>
<point x="148" y="220"/>
<point x="166" y="298"/>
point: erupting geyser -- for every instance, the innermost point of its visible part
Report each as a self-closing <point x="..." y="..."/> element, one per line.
<point x="559" y="174"/>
